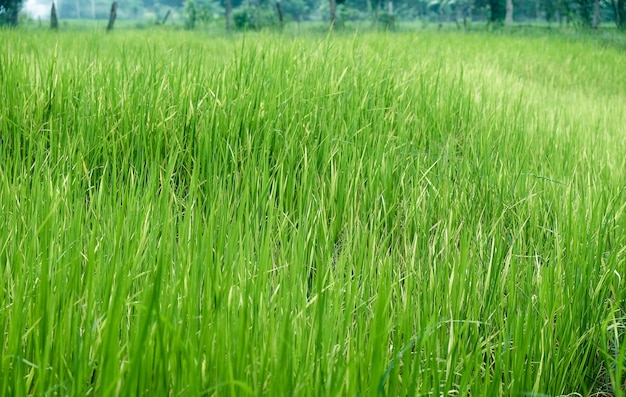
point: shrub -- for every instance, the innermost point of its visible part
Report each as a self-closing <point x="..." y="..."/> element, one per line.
<point x="247" y="18"/>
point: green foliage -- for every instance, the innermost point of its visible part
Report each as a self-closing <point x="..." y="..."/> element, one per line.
<point x="620" y="10"/>
<point x="385" y="21"/>
<point x="497" y="11"/>
<point x="297" y="9"/>
<point x="9" y="11"/>
<point x="254" y="18"/>
<point x="395" y="214"/>
<point x="191" y="15"/>
<point x="209" y="11"/>
<point x="585" y="12"/>
<point x="549" y="7"/>
<point x="348" y="13"/>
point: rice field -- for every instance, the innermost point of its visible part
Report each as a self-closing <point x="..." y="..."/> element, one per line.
<point x="415" y="213"/>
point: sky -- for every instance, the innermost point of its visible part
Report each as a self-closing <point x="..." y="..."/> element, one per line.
<point x="37" y="9"/>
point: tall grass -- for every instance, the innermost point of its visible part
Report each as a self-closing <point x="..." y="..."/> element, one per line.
<point x="347" y="215"/>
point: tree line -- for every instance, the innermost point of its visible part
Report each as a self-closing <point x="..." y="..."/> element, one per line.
<point x="260" y="13"/>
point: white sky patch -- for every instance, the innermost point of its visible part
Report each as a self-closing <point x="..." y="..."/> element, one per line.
<point x="36" y="9"/>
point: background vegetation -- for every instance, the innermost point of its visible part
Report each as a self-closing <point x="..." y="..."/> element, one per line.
<point x="264" y="13"/>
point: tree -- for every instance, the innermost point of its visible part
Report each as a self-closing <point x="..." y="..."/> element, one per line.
<point x="441" y="9"/>
<point x="54" y="20"/>
<point x="390" y="16"/>
<point x="509" y="12"/>
<point x="550" y="8"/>
<point x="191" y="15"/>
<point x="596" y="14"/>
<point x="498" y="11"/>
<point x="297" y="9"/>
<point x="228" y="12"/>
<point x="9" y="10"/>
<point x="585" y="12"/>
<point x="619" y="8"/>
<point x="280" y="14"/>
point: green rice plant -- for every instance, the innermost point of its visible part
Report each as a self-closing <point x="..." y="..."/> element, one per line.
<point x="391" y="214"/>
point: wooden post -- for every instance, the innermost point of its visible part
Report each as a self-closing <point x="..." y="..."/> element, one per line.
<point x="229" y="8"/>
<point x="54" y="20"/>
<point x="167" y="15"/>
<point x="280" y="13"/>
<point x="112" y="16"/>
<point x="333" y="10"/>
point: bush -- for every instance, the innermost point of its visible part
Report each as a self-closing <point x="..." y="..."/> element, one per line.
<point x="386" y="21"/>
<point x="247" y="18"/>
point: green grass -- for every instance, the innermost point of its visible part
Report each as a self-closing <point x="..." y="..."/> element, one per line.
<point x="392" y="214"/>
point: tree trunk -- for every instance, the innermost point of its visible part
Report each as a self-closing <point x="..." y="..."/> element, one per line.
<point x="440" y="17"/>
<point x="280" y="13"/>
<point x="620" y="13"/>
<point x="537" y="9"/>
<point x="374" y="13"/>
<point x="596" y="14"/>
<point x="370" y="10"/>
<point x="390" y="22"/>
<point x="229" y="9"/>
<point x="112" y="16"/>
<point x="508" y="20"/>
<point x="54" y="20"/>
<point x="333" y="9"/>
<point x="466" y="10"/>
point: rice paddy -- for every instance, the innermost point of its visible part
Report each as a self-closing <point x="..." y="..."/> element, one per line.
<point x="411" y="213"/>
